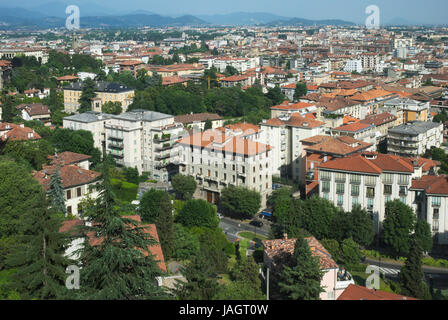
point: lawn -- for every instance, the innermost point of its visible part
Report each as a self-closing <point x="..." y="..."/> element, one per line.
<point x="361" y="277"/>
<point x="125" y="191"/>
<point x="252" y="236"/>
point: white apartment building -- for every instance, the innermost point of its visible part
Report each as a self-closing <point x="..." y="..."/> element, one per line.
<point x="284" y="134"/>
<point x="371" y="180"/>
<point x="145" y="140"/>
<point x="240" y="64"/>
<point x="90" y="121"/>
<point x="369" y="61"/>
<point x="414" y="138"/>
<point x="217" y="160"/>
<point x="431" y="204"/>
<point x="353" y="66"/>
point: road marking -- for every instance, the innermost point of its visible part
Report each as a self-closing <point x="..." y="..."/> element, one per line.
<point x="389" y="270"/>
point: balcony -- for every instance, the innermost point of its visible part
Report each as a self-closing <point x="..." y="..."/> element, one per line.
<point x="113" y="138"/>
<point x="116" y="145"/>
<point x="343" y="281"/>
<point x="162" y="157"/>
<point x="166" y="146"/>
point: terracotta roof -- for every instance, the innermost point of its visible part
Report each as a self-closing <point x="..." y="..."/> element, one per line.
<point x="216" y="140"/>
<point x="130" y="63"/>
<point x="17" y="132"/>
<point x="373" y="165"/>
<point x="357" y="292"/>
<point x="371" y="95"/>
<point x="244" y="128"/>
<point x="353" y="127"/>
<point x="379" y="119"/>
<point x="432" y="184"/>
<point x="68" y="157"/>
<point x="294" y="106"/>
<point x="151" y="229"/>
<point x="71" y="176"/>
<point x="334" y="145"/>
<point x="173" y="80"/>
<point x="66" y="78"/>
<point x="235" y="78"/>
<point x="34" y="109"/>
<point x="279" y="250"/>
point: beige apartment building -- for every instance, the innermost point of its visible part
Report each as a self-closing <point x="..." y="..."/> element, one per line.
<point x="217" y="160"/>
<point x="105" y="92"/>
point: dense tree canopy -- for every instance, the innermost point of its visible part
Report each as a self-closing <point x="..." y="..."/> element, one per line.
<point x="240" y="202"/>
<point x="198" y="213"/>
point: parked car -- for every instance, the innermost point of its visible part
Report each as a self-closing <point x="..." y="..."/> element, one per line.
<point x="256" y="223"/>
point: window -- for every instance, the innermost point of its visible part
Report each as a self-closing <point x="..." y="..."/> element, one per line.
<point x="69" y="194"/>
<point x="387" y="199"/>
<point x="436" y="201"/>
<point x="340" y="177"/>
<point x="370" y="180"/>
<point x="355" y="179"/>
<point x="403" y="179"/>
<point x="325" y="186"/>
<point x="388" y="178"/>
<point x="370" y="204"/>
<point x="370" y="192"/>
<point x="355" y="190"/>
<point x="387" y="189"/>
<point x="403" y="199"/>
<point x="69" y="209"/>
<point x="325" y="175"/>
<point x="78" y="192"/>
<point x="354" y="201"/>
<point x="435" y="220"/>
<point x="340" y="200"/>
<point x="403" y="191"/>
<point x="340" y="188"/>
<point x="326" y="196"/>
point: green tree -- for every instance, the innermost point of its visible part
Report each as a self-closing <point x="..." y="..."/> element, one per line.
<point x="230" y="71"/>
<point x="350" y="253"/>
<point x="208" y="124"/>
<point x="246" y="271"/>
<point x="185" y="186"/>
<point x="112" y="107"/>
<point x="302" y="279"/>
<point x="39" y="258"/>
<point x="361" y="228"/>
<point x="87" y="95"/>
<point x="198" y="213"/>
<point x="165" y="226"/>
<point x="424" y="235"/>
<point x="333" y="247"/>
<point x="186" y="244"/>
<point x="398" y="226"/>
<point x="275" y="95"/>
<point x="150" y="203"/>
<point x="238" y="291"/>
<point x="9" y="111"/>
<point x="19" y="193"/>
<point x="119" y="266"/>
<point x="411" y="274"/>
<point x="316" y="216"/>
<point x="56" y="193"/>
<point x="240" y="202"/>
<point x="300" y="91"/>
<point x="201" y="282"/>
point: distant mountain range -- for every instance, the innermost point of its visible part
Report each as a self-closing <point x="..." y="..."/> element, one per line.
<point x="13" y="18"/>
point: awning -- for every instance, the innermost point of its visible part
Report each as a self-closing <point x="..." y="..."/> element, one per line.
<point x="266" y="213"/>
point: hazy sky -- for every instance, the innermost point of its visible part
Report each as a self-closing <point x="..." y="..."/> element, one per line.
<point x="418" y="11"/>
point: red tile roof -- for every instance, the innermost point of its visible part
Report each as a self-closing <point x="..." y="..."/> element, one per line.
<point x="432" y="184"/>
<point x="71" y="176"/>
<point x="353" y="127"/>
<point x="68" y="157"/>
<point x="279" y="250"/>
<point x="17" y="132"/>
<point x="356" y="292"/>
<point x="216" y="140"/>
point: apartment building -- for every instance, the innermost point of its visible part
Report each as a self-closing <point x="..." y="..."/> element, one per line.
<point x="370" y="179"/>
<point x="35" y="111"/>
<point x="217" y="160"/>
<point x="105" y="92"/>
<point x="414" y="138"/>
<point x="90" y="121"/>
<point x="431" y="203"/>
<point x="357" y="130"/>
<point x="284" y="134"/>
<point x="145" y="140"/>
<point x="197" y="120"/>
<point x="412" y="110"/>
<point x="369" y="61"/>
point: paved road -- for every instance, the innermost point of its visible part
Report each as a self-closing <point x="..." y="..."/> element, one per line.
<point x="231" y="227"/>
<point x="391" y="270"/>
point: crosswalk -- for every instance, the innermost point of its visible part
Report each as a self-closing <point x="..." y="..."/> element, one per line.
<point x="389" y="271"/>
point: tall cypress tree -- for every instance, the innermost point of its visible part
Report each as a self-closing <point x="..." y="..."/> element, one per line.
<point x="116" y="267"/>
<point x="56" y="193"/>
<point x="411" y="275"/>
<point x="39" y="258"/>
<point x="301" y="280"/>
<point x="165" y="226"/>
<point x="87" y="94"/>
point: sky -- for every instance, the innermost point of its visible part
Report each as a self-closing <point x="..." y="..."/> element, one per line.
<point x="416" y="11"/>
